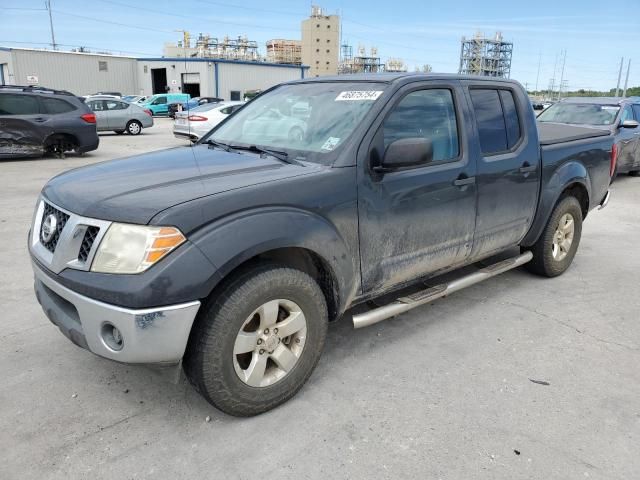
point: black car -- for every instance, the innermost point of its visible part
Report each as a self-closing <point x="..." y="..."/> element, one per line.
<point x="229" y="257"/>
<point x="35" y="121"/>
<point x="193" y="103"/>
<point x="619" y="116"/>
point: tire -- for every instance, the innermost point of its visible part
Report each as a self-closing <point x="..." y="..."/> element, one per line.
<point x="134" y="127"/>
<point x="214" y="363"/>
<point x="551" y="260"/>
<point x="119" y="132"/>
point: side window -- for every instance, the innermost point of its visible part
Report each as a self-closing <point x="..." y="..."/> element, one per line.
<point x="18" y="104"/>
<point x="226" y="111"/>
<point x="96" y="105"/>
<point x="636" y="110"/>
<point x="160" y="101"/>
<point x="490" y="120"/>
<point x="627" y="114"/>
<point x="428" y="114"/>
<point x="511" y="119"/>
<point x="55" y="105"/>
<point x="112" y="105"/>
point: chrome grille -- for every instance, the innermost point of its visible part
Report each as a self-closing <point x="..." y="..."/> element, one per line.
<point x="87" y="242"/>
<point x="60" y="221"/>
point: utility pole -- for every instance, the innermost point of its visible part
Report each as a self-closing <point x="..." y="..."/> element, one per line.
<point x="619" y="77"/>
<point x="564" y="60"/>
<point x="538" y="75"/>
<point x="53" y="37"/>
<point x="626" y="80"/>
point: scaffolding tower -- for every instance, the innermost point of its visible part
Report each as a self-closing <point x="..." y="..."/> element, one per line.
<point x="240" y="48"/>
<point x="361" y="63"/>
<point x="490" y="57"/>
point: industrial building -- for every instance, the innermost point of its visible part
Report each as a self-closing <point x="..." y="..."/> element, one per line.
<point x="490" y="57"/>
<point x="362" y="62"/>
<point x="87" y="73"/>
<point x="78" y="72"/>
<point x="284" y="51"/>
<point x="321" y="42"/>
<point x="206" y="46"/>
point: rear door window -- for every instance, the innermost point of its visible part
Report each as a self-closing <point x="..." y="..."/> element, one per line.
<point x="511" y="119"/>
<point x="627" y="114"/>
<point x="14" y="104"/>
<point x="97" y="105"/>
<point x="55" y="105"/>
<point x="490" y="120"/>
<point x="636" y="110"/>
<point x="114" y="105"/>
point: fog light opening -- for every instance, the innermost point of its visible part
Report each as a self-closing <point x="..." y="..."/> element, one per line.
<point x="112" y="337"/>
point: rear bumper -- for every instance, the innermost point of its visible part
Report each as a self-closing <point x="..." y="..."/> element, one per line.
<point x="153" y="335"/>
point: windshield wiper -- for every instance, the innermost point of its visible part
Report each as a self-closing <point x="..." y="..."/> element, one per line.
<point x="223" y="146"/>
<point x="282" y="156"/>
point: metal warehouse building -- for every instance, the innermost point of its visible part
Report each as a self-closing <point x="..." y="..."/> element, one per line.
<point x="86" y="73"/>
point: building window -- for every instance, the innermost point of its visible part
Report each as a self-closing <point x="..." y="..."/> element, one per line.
<point x="328" y="51"/>
<point x="328" y="41"/>
<point x="328" y="63"/>
<point x="102" y="67"/>
<point x="317" y="39"/>
<point x="235" y="95"/>
<point x="146" y="69"/>
<point x="328" y="26"/>
<point x="318" y="25"/>
<point x="317" y="50"/>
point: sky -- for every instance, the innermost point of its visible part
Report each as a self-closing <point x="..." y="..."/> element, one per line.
<point x="594" y="34"/>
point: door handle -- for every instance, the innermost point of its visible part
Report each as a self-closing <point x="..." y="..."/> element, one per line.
<point x="462" y="181"/>
<point x="526" y="168"/>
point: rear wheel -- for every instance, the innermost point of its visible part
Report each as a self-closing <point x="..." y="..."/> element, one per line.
<point x="257" y="343"/>
<point x="556" y="247"/>
<point x="134" y="127"/>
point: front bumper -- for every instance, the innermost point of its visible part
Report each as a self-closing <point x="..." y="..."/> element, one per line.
<point x="153" y="335"/>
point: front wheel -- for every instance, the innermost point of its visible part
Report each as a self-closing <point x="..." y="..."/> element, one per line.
<point x="556" y="247"/>
<point x="134" y="127"/>
<point x="257" y="343"/>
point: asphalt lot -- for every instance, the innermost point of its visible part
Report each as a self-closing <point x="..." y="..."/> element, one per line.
<point x="441" y="392"/>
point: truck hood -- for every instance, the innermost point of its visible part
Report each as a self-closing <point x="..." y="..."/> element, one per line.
<point x="135" y="189"/>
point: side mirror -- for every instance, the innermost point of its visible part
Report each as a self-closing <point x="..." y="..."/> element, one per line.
<point x="406" y="152"/>
<point x="629" y="124"/>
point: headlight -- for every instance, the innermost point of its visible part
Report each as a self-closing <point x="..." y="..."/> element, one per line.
<point x="134" y="248"/>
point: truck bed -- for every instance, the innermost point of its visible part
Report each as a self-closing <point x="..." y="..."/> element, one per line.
<point x="552" y="133"/>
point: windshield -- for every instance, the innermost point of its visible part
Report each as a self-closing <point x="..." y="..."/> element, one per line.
<point x="307" y="121"/>
<point x="580" y="113"/>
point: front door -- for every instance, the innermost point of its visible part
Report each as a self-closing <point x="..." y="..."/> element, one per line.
<point x="416" y="221"/>
<point x="627" y="139"/>
<point x="508" y="168"/>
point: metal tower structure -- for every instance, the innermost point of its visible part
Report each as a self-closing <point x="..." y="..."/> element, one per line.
<point x="490" y="57"/>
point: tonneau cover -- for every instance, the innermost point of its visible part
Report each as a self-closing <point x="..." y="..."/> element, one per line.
<point x="552" y="133"/>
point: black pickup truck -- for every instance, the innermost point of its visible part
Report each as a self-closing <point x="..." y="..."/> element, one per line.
<point x="231" y="256"/>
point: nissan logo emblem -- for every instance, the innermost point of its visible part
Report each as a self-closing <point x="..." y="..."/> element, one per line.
<point x="49" y="227"/>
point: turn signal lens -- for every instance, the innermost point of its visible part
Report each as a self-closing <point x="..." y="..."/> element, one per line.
<point x="134" y="248"/>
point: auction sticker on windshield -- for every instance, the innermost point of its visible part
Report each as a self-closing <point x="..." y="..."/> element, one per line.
<point x="358" y="95"/>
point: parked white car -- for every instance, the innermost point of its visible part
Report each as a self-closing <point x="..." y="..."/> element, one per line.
<point x="197" y="122"/>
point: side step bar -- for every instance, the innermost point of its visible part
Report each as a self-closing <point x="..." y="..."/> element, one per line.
<point x="405" y="304"/>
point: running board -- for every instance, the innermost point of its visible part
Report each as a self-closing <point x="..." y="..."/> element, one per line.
<point x="407" y="303"/>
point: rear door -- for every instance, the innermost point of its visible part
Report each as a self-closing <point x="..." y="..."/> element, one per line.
<point x="636" y="113"/>
<point x="508" y="171"/>
<point x="416" y="221"/>
<point x="24" y="128"/>
<point x="118" y="114"/>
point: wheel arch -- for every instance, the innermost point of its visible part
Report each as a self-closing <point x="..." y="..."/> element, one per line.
<point x="289" y="237"/>
<point x="570" y="179"/>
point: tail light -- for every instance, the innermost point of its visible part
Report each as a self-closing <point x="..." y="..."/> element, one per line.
<point x="614" y="159"/>
<point x="148" y="112"/>
<point x="89" y="117"/>
<point x="197" y="118"/>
